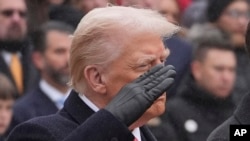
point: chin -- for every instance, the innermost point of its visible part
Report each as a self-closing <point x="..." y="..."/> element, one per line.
<point x="157" y="109"/>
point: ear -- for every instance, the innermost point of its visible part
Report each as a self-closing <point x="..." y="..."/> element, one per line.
<point x="196" y="69"/>
<point x="95" y="79"/>
<point x="38" y="60"/>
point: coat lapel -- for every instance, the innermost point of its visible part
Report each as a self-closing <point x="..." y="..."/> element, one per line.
<point x="78" y="110"/>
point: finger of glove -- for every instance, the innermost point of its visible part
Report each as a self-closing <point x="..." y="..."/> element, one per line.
<point x="159" y="79"/>
<point x="148" y="73"/>
<point x="157" y="74"/>
<point x="157" y="91"/>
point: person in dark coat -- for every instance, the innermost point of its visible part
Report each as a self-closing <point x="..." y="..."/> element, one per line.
<point x="205" y="101"/>
<point x="111" y="48"/>
<point x="240" y="116"/>
<point x="48" y="97"/>
<point x="15" y="48"/>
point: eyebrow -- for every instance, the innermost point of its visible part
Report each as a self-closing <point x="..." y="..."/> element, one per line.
<point x="146" y="58"/>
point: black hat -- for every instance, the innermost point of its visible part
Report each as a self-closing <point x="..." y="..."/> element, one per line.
<point x="215" y="8"/>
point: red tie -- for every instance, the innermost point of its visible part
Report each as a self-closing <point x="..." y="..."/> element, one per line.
<point x="135" y="139"/>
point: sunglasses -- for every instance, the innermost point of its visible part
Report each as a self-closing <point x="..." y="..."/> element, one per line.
<point x="10" y="12"/>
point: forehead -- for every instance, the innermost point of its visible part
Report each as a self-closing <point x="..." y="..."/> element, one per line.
<point x="220" y="56"/>
<point x="12" y="4"/>
<point x="145" y="44"/>
<point x="239" y="4"/>
<point x="58" y="39"/>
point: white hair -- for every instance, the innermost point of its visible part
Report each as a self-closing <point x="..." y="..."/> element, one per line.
<point x="102" y="33"/>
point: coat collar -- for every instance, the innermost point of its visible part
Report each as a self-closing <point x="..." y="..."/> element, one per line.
<point x="242" y="113"/>
<point x="80" y="112"/>
<point x="77" y="109"/>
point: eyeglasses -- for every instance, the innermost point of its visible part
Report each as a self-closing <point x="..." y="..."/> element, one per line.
<point x="236" y="14"/>
<point x="10" y="12"/>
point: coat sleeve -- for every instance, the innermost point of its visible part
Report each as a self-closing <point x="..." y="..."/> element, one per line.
<point x="101" y="126"/>
<point x="30" y="132"/>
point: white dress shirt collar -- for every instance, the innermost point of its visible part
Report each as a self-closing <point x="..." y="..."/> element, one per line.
<point x="53" y="94"/>
<point x="135" y="132"/>
<point x="7" y="56"/>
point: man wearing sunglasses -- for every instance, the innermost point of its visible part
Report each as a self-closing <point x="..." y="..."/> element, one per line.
<point x="13" y="43"/>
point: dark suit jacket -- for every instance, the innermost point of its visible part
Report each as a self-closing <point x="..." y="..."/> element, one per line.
<point x="180" y="57"/>
<point x="240" y="117"/>
<point x="2" y="138"/>
<point x="30" y="75"/>
<point x="34" y="104"/>
<point x="76" y="122"/>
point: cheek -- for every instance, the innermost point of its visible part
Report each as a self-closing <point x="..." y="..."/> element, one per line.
<point x="227" y="24"/>
<point x="158" y="107"/>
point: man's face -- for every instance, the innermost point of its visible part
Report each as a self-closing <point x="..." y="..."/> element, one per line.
<point x="87" y="5"/>
<point x="235" y="18"/>
<point x="216" y="73"/>
<point x="12" y="20"/>
<point x="138" y="56"/>
<point x="5" y="114"/>
<point x="56" y="57"/>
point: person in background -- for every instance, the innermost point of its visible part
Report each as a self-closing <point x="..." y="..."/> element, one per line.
<point x="66" y="14"/>
<point x="205" y="101"/>
<point x="181" y="50"/>
<point x="231" y="17"/>
<point x="241" y="114"/>
<point x="86" y="5"/>
<point x="50" y="56"/>
<point x="194" y="14"/>
<point x="15" y="61"/>
<point x="7" y="98"/>
<point x="170" y="9"/>
<point x="119" y="79"/>
<point x="149" y="4"/>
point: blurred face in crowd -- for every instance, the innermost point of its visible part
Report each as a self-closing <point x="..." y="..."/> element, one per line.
<point x="141" y="53"/>
<point x="53" y="63"/>
<point x="5" y="114"/>
<point x="170" y="10"/>
<point x="87" y="5"/>
<point x="13" y="20"/>
<point x="235" y="17"/>
<point x="216" y="72"/>
<point x="150" y="4"/>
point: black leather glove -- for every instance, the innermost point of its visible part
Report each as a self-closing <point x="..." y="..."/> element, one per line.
<point x="136" y="97"/>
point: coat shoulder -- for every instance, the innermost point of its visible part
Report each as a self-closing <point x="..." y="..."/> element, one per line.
<point x="222" y="133"/>
<point x="49" y="128"/>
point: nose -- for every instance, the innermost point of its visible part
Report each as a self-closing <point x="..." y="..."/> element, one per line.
<point x="16" y="17"/>
<point x="228" y="76"/>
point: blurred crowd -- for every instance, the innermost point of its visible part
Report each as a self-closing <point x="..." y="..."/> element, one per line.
<point x="208" y="53"/>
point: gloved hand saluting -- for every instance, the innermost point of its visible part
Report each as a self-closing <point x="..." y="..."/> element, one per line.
<point x="136" y="97"/>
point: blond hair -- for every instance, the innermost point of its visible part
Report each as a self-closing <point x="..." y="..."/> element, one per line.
<point x="103" y="32"/>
